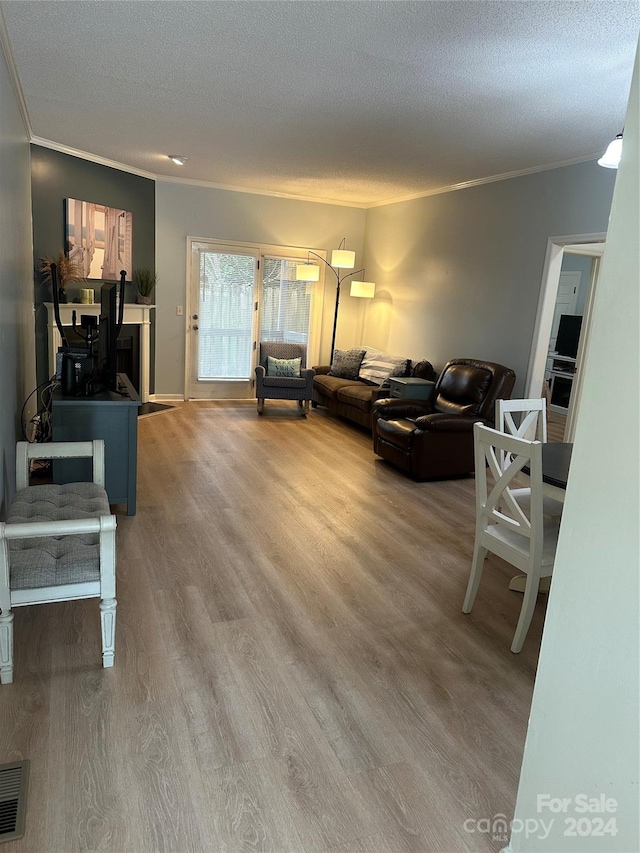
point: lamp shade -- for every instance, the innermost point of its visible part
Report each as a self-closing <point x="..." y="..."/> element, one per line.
<point x="611" y="157"/>
<point x="363" y="289"/>
<point x="343" y="259"/>
<point x="307" y="272"/>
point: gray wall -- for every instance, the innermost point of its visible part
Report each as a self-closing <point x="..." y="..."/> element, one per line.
<point x="192" y="211"/>
<point x="459" y="274"/>
<point x="56" y="177"/>
<point x="17" y="356"/>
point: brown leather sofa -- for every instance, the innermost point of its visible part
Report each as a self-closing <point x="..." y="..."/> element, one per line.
<point x="354" y="399"/>
<point x="434" y="440"/>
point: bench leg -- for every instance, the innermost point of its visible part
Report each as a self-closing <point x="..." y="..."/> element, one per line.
<point x="6" y="648"/>
<point x="108" y="625"/>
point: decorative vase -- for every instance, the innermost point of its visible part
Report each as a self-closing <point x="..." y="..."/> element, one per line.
<point x="143" y="300"/>
<point x="62" y="295"/>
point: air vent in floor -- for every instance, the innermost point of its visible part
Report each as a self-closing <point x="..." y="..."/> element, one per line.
<point x="14" y="779"/>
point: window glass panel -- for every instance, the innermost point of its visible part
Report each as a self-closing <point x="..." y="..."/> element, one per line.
<point x="225" y="315"/>
<point x="286" y="303"/>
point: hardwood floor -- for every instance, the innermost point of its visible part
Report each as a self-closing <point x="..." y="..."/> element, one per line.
<point x="293" y="670"/>
<point x="556" y="424"/>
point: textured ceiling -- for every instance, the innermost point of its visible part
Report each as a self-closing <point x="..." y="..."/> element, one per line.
<point x="353" y="101"/>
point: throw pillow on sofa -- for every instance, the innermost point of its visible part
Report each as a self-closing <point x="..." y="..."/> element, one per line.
<point x="287" y="367"/>
<point x="346" y="363"/>
<point x="377" y="367"/>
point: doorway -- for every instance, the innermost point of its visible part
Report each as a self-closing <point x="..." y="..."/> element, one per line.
<point x="568" y="290"/>
<point x="240" y="294"/>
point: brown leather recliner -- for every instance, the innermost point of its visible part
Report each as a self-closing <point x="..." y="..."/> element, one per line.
<point x="433" y="440"/>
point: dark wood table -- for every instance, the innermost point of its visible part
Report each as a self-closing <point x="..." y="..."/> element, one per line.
<point x="556" y="459"/>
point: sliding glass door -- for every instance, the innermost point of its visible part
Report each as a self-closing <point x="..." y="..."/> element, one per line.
<point x="285" y="304"/>
<point x="239" y="296"/>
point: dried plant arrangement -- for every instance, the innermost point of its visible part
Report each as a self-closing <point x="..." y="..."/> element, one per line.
<point x="68" y="270"/>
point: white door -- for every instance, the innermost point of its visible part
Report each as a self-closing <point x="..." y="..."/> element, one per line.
<point x="566" y="301"/>
<point x="222" y="317"/>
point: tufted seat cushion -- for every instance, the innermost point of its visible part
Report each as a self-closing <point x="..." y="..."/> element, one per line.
<point x="56" y="560"/>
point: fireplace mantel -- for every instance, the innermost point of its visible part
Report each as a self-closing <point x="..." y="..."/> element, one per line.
<point x="134" y="315"/>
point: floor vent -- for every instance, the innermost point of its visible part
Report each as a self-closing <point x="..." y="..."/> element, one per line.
<point x="14" y="779"/>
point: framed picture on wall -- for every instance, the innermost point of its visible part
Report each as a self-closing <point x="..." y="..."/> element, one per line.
<point x="100" y="238"/>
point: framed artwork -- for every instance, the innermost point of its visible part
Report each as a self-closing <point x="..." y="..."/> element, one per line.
<point x="100" y="238"/>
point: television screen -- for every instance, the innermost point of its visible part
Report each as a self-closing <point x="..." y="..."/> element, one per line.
<point x="568" y="334"/>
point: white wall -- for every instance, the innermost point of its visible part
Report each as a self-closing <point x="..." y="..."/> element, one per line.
<point x="583" y="734"/>
<point x="459" y="274"/>
<point x="17" y="344"/>
<point x="191" y="211"/>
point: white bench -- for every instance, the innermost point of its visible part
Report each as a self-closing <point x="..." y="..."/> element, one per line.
<point x="58" y="544"/>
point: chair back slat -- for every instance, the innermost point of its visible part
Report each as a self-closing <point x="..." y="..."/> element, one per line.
<point x="497" y="505"/>
<point x="533" y="424"/>
<point x="500" y="495"/>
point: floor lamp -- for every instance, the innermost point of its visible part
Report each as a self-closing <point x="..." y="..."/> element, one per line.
<point x="341" y="259"/>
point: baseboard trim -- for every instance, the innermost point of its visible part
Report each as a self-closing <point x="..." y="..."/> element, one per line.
<point x="166" y="398"/>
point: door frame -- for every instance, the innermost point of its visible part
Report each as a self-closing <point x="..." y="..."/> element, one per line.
<point x="317" y="298"/>
<point x="591" y="245"/>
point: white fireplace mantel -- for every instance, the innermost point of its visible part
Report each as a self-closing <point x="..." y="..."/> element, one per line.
<point x="134" y="315"/>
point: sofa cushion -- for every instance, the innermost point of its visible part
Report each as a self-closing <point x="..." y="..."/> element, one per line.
<point x="330" y="385"/>
<point x="288" y="367"/>
<point x="346" y="363"/>
<point x="360" y="396"/>
<point x="377" y="367"/>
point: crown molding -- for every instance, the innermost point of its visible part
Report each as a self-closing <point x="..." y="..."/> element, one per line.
<point x="491" y="179"/>
<point x="92" y="158"/>
<point x="231" y="188"/>
<point x="13" y="74"/>
<point x="167" y="179"/>
<point x="123" y="167"/>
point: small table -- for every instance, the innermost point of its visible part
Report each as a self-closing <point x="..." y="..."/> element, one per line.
<point x="556" y="459"/>
<point x="112" y="416"/>
<point x="410" y="387"/>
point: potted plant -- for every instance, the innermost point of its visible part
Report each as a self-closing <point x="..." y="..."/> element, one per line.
<point x="145" y="280"/>
<point x="68" y="270"/>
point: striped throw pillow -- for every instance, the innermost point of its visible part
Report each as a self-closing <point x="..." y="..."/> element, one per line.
<point x="377" y="367"/>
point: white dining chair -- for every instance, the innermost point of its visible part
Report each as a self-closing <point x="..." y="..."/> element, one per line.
<point x="527" y="419"/>
<point x="514" y="529"/>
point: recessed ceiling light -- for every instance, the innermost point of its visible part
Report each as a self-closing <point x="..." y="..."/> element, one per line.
<point x="178" y="159"/>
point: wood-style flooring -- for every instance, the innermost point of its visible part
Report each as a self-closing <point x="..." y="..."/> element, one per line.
<point x="293" y="670"/>
<point x="556" y="424"/>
